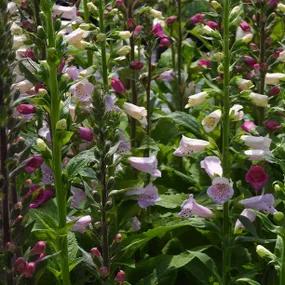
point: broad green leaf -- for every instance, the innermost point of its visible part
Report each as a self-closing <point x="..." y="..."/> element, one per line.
<point x="171" y="201"/>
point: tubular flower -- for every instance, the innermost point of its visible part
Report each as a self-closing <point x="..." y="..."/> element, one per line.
<point x="136" y="112"/>
<point x="263" y="203"/>
<point x="145" y="164"/>
<point x="212" y="165"/>
<point x="256" y="177"/>
<point x="211" y="121"/>
<point x="221" y="190"/>
<point x="249" y="214"/>
<point x="196" y="99"/>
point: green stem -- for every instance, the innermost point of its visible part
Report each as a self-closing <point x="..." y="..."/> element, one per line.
<point x="282" y="266"/>
<point x="179" y="57"/>
<point x="101" y="9"/>
<point x="148" y="92"/>
<point x="225" y="142"/>
<point x="56" y="150"/>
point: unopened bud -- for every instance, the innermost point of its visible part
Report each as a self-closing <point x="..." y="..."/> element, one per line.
<point x="61" y="124"/>
<point x="264" y="253"/>
<point x="104" y="272"/>
<point x="120" y="277"/>
<point x="278" y="217"/>
<point x="118" y="238"/>
<point x="95" y="252"/>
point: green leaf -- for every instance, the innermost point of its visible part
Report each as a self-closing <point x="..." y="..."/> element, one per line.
<point x="248" y="225"/>
<point x="248" y="281"/>
<point x="171" y="201"/>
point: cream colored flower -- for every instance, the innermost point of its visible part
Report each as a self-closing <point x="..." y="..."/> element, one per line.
<point x="210" y="122"/>
<point x="274" y="78"/>
<point x="196" y="99"/>
<point x="136" y="112"/>
<point x="259" y="99"/>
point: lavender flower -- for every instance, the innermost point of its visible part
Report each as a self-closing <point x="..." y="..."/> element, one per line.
<point x="47" y="175"/>
<point x="82" y="224"/>
<point x="78" y="197"/>
<point x="135" y="224"/>
<point x="82" y="91"/>
<point x="261" y="203"/>
<point x="221" y="190"/>
<point x="212" y="165"/>
<point x="190" y="207"/>
<point x="146" y="196"/>
<point x="145" y="164"/>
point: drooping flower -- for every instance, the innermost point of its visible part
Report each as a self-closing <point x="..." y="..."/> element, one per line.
<point x="243" y="36"/>
<point x="72" y="71"/>
<point x="26" y="109"/>
<point x="258" y="99"/>
<point x="196" y="99"/>
<point x="198" y="18"/>
<point x="248" y="126"/>
<point x="261" y="203"/>
<point x="274" y="78"/>
<point x="167" y="76"/>
<point x="39" y="247"/>
<point x="82" y="224"/>
<point x="47" y="174"/>
<point x="120" y="277"/>
<point x="212" y="165"/>
<point x="171" y="20"/>
<point x="76" y="37"/>
<point x="136" y="65"/>
<point x="256" y="177"/>
<point x="211" y="121"/>
<point x="136" y="112"/>
<point x="86" y="134"/>
<point x="44" y="132"/>
<point x="188" y="146"/>
<point x="157" y="31"/>
<point x="33" y="163"/>
<point x="29" y="270"/>
<point x="257" y="154"/>
<point x="82" y="91"/>
<point x="78" y="197"/>
<point x="118" y="85"/>
<point x="146" y="196"/>
<point x="244" y="84"/>
<point x="245" y="26"/>
<point x="249" y="214"/>
<point x="43" y="196"/>
<point x="65" y="12"/>
<point x="135" y="224"/>
<point x="236" y="112"/>
<point x="272" y="125"/>
<point x="256" y="142"/>
<point x="191" y="208"/>
<point x="145" y="164"/>
<point x="221" y="190"/>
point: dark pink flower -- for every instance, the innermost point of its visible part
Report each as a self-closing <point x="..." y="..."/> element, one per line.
<point x="26" y="109"/>
<point x="171" y="20"/>
<point x="197" y="18"/>
<point x="249" y="60"/>
<point x="28" y="53"/>
<point x="245" y="26"/>
<point x="213" y="25"/>
<point x="120" y="277"/>
<point x="86" y="134"/>
<point x="136" y="65"/>
<point x="272" y="125"/>
<point x="157" y="31"/>
<point x="33" y="163"/>
<point x="95" y="252"/>
<point x="137" y="30"/>
<point x="205" y="63"/>
<point x="30" y="270"/>
<point x="274" y="91"/>
<point x="39" y="247"/>
<point x="43" y="196"/>
<point x="20" y="265"/>
<point x="118" y="85"/>
<point x="164" y="42"/>
<point x="256" y="177"/>
<point x="119" y="3"/>
<point x="248" y="126"/>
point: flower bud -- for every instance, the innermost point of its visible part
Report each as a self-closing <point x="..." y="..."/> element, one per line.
<point x="30" y="270"/>
<point x="120" y="277"/>
<point x="118" y="238"/>
<point x="61" y="124"/>
<point x="278" y="217"/>
<point x="86" y="134"/>
<point x="123" y="51"/>
<point x="264" y="253"/>
<point x="281" y="7"/>
<point x="118" y="85"/>
<point x="92" y="8"/>
<point x="104" y="272"/>
<point x="124" y="35"/>
<point x="26" y="109"/>
<point x="39" y="247"/>
<point x="216" y="5"/>
<point x="20" y="265"/>
<point x="95" y="252"/>
<point x="41" y="145"/>
<point x="156" y="14"/>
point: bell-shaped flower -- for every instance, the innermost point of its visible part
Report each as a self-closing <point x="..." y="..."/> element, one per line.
<point x="118" y="85"/>
<point x="65" y="12"/>
<point x="244" y="84"/>
<point x="187" y="146"/>
<point x="259" y="99"/>
<point x="221" y="190"/>
<point x="212" y="165"/>
<point x="236" y="112"/>
<point x="248" y="126"/>
<point x="33" y="163"/>
<point x="243" y="36"/>
<point x="257" y="154"/>
<point x="211" y="121"/>
<point x="82" y="224"/>
<point x="82" y="91"/>
<point x="136" y="112"/>
<point x="47" y="174"/>
<point x="256" y="177"/>
<point x="135" y="224"/>
<point x="72" y="71"/>
<point x="249" y="214"/>
<point x="23" y="86"/>
<point x="191" y="208"/>
<point x="76" y="37"/>
<point x="263" y="203"/>
<point x="256" y="142"/>
<point x="78" y="197"/>
<point x="146" y="196"/>
<point x="43" y="196"/>
<point x="86" y="134"/>
<point x="145" y="164"/>
<point x="196" y="99"/>
<point x="274" y="78"/>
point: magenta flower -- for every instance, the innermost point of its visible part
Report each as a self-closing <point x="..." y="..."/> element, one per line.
<point x="145" y="164"/>
<point x="146" y="196"/>
<point x="33" y="163"/>
<point x="120" y="277"/>
<point x="221" y="190"/>
<point x="170" y="20"/>
<point x="249" y="60"/>
<point x="118" y="85"/>
<point x="164" y="42"/>
<point x="248" y="126"/>
<point x="47" y="174"/>
<point x="26" y="109"/>
<point x="20" y="265"/>
<point x="205" y="63"/>
<point x="39" y="248"/>
<point x="248" y="213"/>
<point x="29" y="270"/>
<point x="261" y="203"/>
<point x="78" y="197"/>
<point x="212" y="165"/>
<point x="213" y="25"/>
<point x="158" y="32"/>
<point x="274" y="91"/>
<point x="82" y="224"/>
<point x="245" y="26"/>
<point x="191" y="208"/>
<point x="197" y="18"/>
<point x="272" y="125"/>
<point x="43" y="196"/>
<point x="137" y="30"/>
<point x="86" y="134"/>
<point x="167" y="76"/>
<point x="256" y="177"/>
<point x="136" y="65"/>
